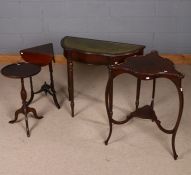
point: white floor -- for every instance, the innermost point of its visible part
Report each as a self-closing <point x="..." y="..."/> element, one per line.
<point x="62" y="145"/>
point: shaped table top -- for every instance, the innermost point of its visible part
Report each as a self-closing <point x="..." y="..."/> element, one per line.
<point x="149" y="65"/>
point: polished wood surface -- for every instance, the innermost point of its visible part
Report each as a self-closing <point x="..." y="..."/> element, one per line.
<point x="96" y="52"/>
<point x="21" y="71"/>
<point x="41" y="55"/>
<point x="148" y="67"/>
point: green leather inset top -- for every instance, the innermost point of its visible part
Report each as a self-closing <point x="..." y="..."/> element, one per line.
<point x="99" y="46"/>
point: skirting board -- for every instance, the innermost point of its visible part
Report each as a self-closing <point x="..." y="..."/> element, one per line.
<point x="14" y="58"/>
<point x="176" y="58"/>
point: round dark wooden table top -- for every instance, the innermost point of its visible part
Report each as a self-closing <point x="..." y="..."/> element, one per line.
<point x="20" y="70"/>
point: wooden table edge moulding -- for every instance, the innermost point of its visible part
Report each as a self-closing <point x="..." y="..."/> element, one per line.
<point x="96" y="52"/>
<point x="148" y="67"/>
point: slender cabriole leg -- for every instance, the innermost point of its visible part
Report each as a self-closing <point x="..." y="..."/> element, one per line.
<point x="16" y="115"/>
<point x="177" y="82"/>
<point x="111" y="97"/>
<point x="27" y="126"/>
<point x="68" y="73"/>
<point x="52" y="86"/>
<point x="109" y="102"/>
<point x="71" y="85"/>
<point x="32" y="92"/>
<point x="153" y="93"/>
<point x="138" y="93"/>
<point x="29" y="109"/>
<point x="108" y="108"/>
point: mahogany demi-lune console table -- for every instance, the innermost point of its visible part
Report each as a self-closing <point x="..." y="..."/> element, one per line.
<point x="96" y="52"/>
<point x="148" y="67"/>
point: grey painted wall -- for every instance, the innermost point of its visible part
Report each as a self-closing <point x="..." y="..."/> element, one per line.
<point x="163" y="25"/>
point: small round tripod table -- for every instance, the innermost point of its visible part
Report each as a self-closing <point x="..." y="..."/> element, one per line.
<point x="148" y="67"/>
<point x="21" y="71"/>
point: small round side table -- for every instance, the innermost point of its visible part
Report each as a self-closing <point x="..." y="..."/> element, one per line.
<point x="21" y="71"/>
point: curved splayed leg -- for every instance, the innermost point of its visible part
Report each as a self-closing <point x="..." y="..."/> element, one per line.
<point x="34" y="113"/>
<point x="138" y="93"/>
<point x="181" y="104"/>
<point x="16" y="115"/>
<point x="52" y="86"/>
<point x="109" y="105"/>
<point x="32" y="92"/>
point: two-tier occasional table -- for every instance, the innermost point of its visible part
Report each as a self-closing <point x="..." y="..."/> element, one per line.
<point x="96" y="52"/>
<point x="21" y="71"/>
<point x="148" y="67"/>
